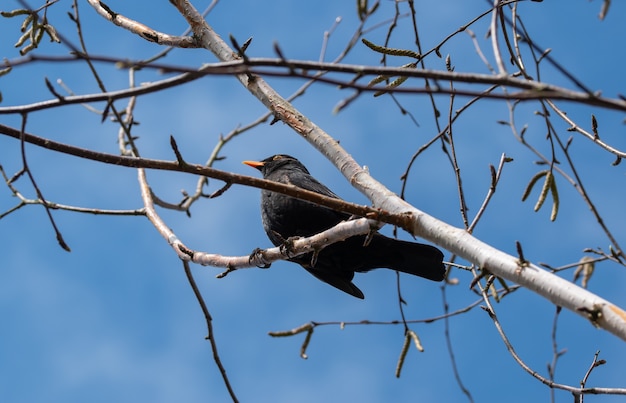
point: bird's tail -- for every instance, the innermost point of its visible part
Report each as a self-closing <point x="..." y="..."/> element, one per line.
<point x="408" y="257"/>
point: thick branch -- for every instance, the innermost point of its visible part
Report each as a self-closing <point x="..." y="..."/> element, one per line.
<point x="560" y="292"/>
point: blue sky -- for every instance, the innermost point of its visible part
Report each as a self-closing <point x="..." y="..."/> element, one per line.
<point x="115" y="320"/>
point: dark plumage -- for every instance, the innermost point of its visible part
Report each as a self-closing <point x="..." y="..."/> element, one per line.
<point x="285" y="217"/>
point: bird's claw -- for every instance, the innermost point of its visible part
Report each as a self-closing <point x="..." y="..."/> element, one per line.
<point x="287" y="247"/>
<point x="373" y="230"/>
<point x="368" y="237"/>
<point x="314" y="256"/>
<point x="257" y="258"/>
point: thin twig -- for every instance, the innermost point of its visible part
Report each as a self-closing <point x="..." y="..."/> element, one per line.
<point x="490" y="310"/>
<point x="26" y="169"/>
<point x="449" y="347"/>
<point x="211" y="333"/>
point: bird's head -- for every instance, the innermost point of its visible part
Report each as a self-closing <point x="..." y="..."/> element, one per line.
<point x="275" y="162"/>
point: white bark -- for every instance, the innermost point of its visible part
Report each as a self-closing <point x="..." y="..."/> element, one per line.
<point x="600" y="312"/>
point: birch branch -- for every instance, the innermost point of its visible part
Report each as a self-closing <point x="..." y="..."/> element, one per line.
<point x="598" y="311"/>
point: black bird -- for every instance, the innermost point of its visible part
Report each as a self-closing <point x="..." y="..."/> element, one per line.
<point x="285" y="217"/>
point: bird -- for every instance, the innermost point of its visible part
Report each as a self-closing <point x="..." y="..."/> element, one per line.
<point x="285" y="217"/>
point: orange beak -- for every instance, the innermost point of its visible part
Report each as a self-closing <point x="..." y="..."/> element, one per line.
<point x="254" y="164"/>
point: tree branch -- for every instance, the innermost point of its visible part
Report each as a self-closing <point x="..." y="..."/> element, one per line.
<point x="598" y="311"/>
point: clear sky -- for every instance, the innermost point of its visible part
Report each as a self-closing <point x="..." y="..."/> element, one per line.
<point x="115" y="319"/>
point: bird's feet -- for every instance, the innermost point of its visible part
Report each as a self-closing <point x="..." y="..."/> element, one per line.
<point x="258" y="259"/>
<point x="287" y="247"/>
